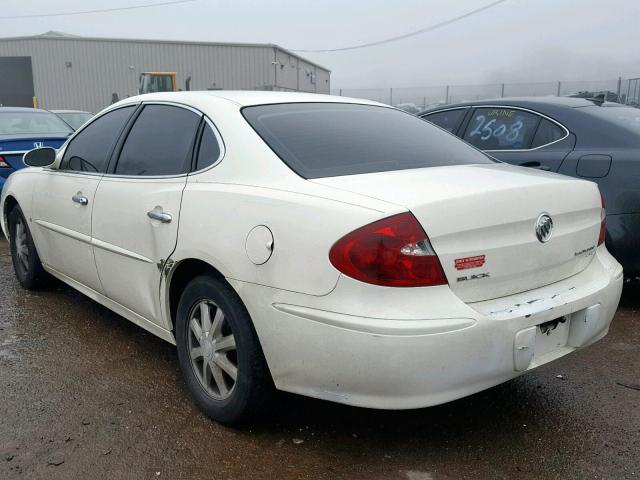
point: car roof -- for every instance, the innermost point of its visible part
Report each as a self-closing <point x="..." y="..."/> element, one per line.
<point x="70" y="111"/>
<point x="22" y="109"/>
<point x="550" y="101"/>
<point x="245" y="98"/>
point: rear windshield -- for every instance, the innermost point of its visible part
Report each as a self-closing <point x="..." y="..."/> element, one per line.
<point x="27" y="123"/>
<point x="330" y="139"/>
<point x="625" y="117"/>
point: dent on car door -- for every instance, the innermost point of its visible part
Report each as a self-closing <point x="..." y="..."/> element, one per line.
<point x="137" y="206"/>
<point x="520" y="137"/>
<point x="63" y="199"/>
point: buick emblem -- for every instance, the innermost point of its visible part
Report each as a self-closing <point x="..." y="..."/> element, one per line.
<point x="38" y="144"/>
<point x="544" y="227"/>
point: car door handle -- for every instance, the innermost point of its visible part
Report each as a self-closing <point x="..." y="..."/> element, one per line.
<point x="79" y="198"/>
<point x="160" y="216"/>
<point x="537" y="165"/>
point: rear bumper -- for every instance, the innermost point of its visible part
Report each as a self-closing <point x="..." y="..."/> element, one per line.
<point x="407" y="348"/>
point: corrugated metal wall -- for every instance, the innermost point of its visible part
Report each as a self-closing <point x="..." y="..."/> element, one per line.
<point x="296" y="73"/>
<point x="84" y="73"/>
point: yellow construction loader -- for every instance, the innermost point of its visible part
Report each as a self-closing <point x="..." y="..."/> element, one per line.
<point x="151" y="82"/>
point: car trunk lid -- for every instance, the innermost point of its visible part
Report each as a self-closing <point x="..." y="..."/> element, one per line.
<point x="12" y="148"/>
<point x="481" y="221"/>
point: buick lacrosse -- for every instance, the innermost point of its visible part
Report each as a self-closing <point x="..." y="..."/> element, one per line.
<point x="330" y="247"/>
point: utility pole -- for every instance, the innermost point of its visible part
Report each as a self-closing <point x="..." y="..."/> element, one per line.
<point x="619" y="87"/>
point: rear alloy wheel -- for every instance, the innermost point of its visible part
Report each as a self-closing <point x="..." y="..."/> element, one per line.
<point x="24" y="256"/>
<point x="212" y="348"/>
<point x="219" y="352"/>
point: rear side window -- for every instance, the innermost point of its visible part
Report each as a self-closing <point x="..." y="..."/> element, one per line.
<point x="330" y="139"/>
<point x="160" y="142"/>
<point x="209" y="150"/>
<point x="501" y="128"/>
<point x="89" y="150"/>
<point x="448" y="119"/>
<point x="548" y="132"/>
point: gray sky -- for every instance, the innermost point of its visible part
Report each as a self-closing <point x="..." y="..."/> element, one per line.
<point x="517" y="41"/>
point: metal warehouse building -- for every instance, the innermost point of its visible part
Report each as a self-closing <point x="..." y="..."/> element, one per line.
<point x="70" y="72"/>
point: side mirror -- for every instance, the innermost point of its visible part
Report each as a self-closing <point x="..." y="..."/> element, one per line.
<point x="39" y="157"/>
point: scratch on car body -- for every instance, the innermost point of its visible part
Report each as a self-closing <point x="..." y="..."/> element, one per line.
<point x="533" y="306"/>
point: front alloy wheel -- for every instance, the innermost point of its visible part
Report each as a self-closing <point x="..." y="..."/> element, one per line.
<point x="22" y="246"/>
<point x="26" y="263"/>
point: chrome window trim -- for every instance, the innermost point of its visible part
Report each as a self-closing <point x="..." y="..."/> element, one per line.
<point x="510" y="107"/>
<point x="174" y="104"/>
<point x="424" y="115"/>
<point x="524" y="109"/>
<point x="15" y="152"/>
<point x="148" y="177"/>
<point x="57" y="171"/>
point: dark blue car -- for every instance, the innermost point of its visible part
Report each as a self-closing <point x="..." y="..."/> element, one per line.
<point x="591" y="139"/>
<point x="22" y="129"/>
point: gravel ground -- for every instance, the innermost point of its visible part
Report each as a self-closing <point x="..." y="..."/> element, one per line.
<point x="86" y="394"/>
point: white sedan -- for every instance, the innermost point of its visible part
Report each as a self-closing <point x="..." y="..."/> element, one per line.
<point x="331" y="247"/>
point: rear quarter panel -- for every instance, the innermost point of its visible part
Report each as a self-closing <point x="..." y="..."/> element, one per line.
<point x="251" y="186"/>
<point x="216" y="219"/>
<point x="621" y="184"/>
<point x="620" y="188"/>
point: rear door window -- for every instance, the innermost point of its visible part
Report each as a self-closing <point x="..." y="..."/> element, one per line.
<point x="160" y="142"/>
<point x="209" y="149"/>
<point x="448" y="119"/>
<point x="331" y="139"/>
<point x="548" y="132"/>
<point x="501" y="128"/>
<point x="89" y="150"/>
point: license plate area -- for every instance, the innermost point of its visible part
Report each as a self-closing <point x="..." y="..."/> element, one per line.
<point x="551" y="336"/>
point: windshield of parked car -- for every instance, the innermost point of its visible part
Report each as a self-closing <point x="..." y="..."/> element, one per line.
<point x="75" y="119"/>
<point x="330" y="139"/>
<point x="625" y="117"/>
<point x="32" y="123"/>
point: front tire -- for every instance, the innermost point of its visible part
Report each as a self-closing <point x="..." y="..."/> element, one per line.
<point x="219" y="352"/>
<point x="25" y="259"/>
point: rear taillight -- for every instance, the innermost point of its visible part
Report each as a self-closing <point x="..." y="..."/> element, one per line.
<point x="394" y="252"/>
<point x="603" y="222"/>
<point x="3" y="162"/>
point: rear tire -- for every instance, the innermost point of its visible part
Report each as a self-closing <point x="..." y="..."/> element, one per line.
<point x="219" y="352"/>
<point x="25" y="259"/>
